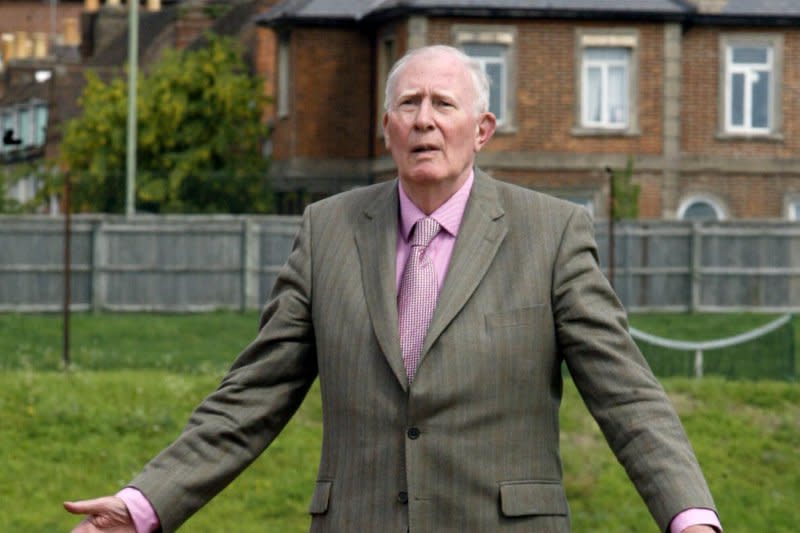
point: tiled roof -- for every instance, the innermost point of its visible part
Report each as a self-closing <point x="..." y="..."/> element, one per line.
<point x="151" y="24"/>
<point x="356" y="10"/>
<point x="762" y="7"/>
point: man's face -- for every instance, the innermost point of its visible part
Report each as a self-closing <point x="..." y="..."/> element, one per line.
<point x="432" y="127"/>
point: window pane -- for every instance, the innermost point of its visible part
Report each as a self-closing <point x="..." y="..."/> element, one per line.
<point x="617" y="95"/>
<point x="737" y="99"/>
<point x="760" y="107"/>
<point x="6" y="125"/>
<point x="40" y="134"/>
<point x="700" y="211"/>
<point x="594" y="94"/>
<point x="749" y="54"/>
<point x="495" y="73"/>
<point x="25" y="127"/>
<point x="606" y="54"/>
<point x="478" y="50"/>
<point x="492" y="57"/>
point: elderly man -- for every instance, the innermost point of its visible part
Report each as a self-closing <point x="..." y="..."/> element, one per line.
<point x="436" y="310"/>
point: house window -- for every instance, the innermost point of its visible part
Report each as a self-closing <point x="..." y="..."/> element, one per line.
<point x="701" y="208"/>
<point x="40" y="125"/>
<point x="494" y="48"/>
<point x="25" y="129"/>
<point x="492" y="58"/>
<point x="750" y="79"/>
<point x="605" y="87"/>
<point x="8" y="124"/>
<point x="606" y="73"/>
<point x="749" y="88"/>
<point x="23" y="126"/>
<point x="283" y="75"/>
<point x="793" y="209"/>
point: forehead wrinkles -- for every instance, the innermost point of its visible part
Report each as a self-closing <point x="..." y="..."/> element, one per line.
<point x="431" y="77"/>
<point x="425" y="91"/>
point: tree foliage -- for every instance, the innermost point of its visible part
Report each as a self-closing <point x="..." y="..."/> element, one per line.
<point x="46" y="179"/>
<point x="625" y="193"/>
<point x="199" y="137"/>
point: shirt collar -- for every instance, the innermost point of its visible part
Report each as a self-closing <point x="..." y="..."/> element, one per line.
<point x="448" y="215"/>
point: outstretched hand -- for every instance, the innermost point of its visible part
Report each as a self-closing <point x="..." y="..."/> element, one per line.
<point x="104" y="515"/>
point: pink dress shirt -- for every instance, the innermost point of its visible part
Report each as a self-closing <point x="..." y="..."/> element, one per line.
<point x="449" y="216"/>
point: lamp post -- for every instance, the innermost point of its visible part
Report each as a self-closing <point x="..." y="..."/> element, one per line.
<point x="133" y="68"/>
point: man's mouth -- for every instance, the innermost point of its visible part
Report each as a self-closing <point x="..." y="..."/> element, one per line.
<point x="423" y="148"/>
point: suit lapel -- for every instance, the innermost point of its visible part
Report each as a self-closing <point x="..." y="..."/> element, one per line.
<point x="482" y="230"/>
<point x="376" y="238"/>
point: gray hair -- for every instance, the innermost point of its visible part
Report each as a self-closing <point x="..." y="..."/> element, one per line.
<point x="480" y="81"/>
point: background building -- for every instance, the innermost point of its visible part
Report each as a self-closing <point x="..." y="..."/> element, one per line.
<point x="46" y="47"/>
<point x="702" y="95"/>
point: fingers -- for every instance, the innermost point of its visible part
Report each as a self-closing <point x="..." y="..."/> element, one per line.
<point x="95" y="506"/>
<point x="108" y="513"/>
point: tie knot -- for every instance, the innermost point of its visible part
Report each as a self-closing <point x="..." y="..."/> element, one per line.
<point x="424" y="232"/>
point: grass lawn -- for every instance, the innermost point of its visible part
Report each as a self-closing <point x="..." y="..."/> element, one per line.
<point x="83" y="433"/>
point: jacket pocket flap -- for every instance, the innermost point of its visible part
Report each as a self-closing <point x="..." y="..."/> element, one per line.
<point x="319" y="501"/>
<point x="521" y="498"/>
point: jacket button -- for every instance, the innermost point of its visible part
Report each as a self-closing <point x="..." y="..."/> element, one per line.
<point x="413" y="433"/>
<point x="402" y="497"/>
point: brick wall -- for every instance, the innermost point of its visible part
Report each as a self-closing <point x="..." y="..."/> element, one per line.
<point x="333" y="116"/>
<point x="701" y="96"/>
<point x="329" y="109"/>
<point x="34" y="18"/>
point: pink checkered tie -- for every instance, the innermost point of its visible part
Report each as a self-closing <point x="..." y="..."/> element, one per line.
<point x="418" y="293"/>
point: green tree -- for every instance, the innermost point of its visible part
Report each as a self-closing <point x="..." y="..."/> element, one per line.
<point x="199" y="137"/>
<point x="625" y="193"/>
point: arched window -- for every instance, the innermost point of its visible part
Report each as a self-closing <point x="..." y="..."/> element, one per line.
<point x="701" y="208"/>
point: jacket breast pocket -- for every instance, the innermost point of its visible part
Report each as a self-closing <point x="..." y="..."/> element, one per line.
<point x="524" y="316"/>
<point x="533" y="498"/>
<point x="320" y="498"/>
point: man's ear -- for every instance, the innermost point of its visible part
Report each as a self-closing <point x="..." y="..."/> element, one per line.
<point x="487" y="124"/>
<point x="385" y="122"/>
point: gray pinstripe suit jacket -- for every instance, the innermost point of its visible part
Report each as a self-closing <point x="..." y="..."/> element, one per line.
<point x="473" y="444"/>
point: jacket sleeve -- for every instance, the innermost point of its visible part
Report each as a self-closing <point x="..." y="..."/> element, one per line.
<point x="617" y="385"/>
<point x="263" y="389"/>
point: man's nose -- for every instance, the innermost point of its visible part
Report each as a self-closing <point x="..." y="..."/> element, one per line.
<point x="423" y="120"/>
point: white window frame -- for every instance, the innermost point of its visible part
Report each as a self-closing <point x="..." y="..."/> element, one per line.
<point x="506" y="36"/>
<point x="606" y="38"/>
<point x="751" y="72"/>
<point x="712" y="201"/>
<point x="25" y="132"/>
<point x="604" y="65"/>
<point x="773" y="43"/>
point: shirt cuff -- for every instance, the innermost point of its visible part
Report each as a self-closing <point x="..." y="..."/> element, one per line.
<point x="144" y="517"/>
<point x="695" y="517"/>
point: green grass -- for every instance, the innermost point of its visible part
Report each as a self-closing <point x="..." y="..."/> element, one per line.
<point x="772" y="356"/>
<point x="85" y="432"/>
<point x="194" y="344"/>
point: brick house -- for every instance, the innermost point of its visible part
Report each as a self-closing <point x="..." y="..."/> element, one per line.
<point x="702" y="95"/>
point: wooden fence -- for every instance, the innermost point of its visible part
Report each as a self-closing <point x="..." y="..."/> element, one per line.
<point x="194" y="263"/>
<point x="170" y="263"/>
